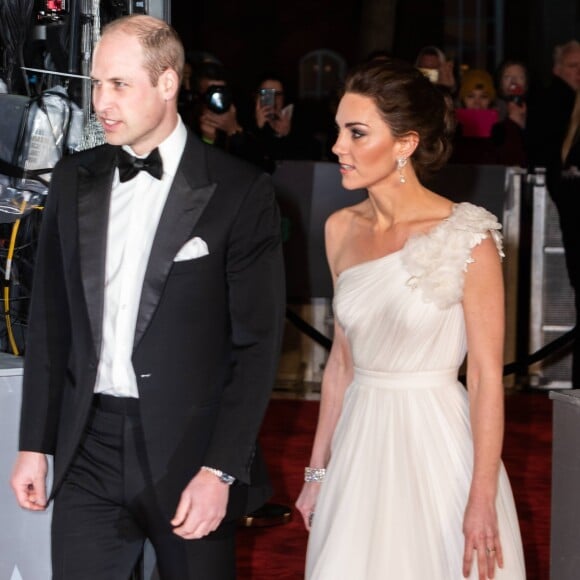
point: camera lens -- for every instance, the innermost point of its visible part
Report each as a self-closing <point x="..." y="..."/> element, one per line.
<point x="218" y="99"/>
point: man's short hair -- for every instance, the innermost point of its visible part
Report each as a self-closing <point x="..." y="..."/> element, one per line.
<point x="561" y="50"/>
<point x="161" y="43"/>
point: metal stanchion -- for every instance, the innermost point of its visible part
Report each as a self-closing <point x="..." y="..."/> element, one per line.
<point x="551" y="299"/>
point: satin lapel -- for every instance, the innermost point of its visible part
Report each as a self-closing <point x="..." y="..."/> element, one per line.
<point x="94" y="196"/>
<point x="183" y="208"/>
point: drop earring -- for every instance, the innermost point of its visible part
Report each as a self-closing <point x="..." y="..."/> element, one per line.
<point x="401" y="162"/>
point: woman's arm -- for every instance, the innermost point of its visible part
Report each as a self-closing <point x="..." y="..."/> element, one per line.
<point x="337" y="376"/>
<point x="483" y="304"/>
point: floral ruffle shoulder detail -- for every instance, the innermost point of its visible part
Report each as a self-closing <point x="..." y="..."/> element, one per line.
<point x="438" y="259"/>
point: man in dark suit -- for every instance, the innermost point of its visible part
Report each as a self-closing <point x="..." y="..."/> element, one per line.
<point x="550" y="120"/>
<point x="154" y="334"/>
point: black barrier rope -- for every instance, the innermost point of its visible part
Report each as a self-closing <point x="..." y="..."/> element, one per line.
<point x="547" y="350"/>
<point x="307" y="329"/>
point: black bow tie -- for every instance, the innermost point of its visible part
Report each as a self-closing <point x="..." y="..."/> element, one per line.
<point x="130" y="165"/>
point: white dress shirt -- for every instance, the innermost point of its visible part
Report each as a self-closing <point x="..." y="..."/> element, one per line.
<point x="134" y="213"/>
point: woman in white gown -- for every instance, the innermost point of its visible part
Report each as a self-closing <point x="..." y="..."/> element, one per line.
<point x="405" y="479"/>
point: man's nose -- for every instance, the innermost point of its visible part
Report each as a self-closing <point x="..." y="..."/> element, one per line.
<point x="101" y="100"/>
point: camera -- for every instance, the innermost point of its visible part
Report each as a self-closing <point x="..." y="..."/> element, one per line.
<point x="218" y="98"/>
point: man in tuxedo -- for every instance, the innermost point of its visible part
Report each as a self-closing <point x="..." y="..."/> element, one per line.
<point x="155" y="327"/>
<point x="550" y="120"/>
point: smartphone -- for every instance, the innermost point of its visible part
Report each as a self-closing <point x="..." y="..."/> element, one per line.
<point x="267" y="97"/>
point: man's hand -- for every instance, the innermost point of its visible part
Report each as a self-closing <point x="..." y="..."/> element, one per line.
<point x="29" y="480"/>
<point x="211" y="122"/>
<point x="202" y="506"/>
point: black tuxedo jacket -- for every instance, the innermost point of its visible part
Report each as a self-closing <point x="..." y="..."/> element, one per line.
<point x="208" y="331"/>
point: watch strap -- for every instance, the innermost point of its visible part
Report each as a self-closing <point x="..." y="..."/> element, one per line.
<point x="222" y="476"/>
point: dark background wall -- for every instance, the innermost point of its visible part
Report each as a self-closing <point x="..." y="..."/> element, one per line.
<point x="252" y="35"/>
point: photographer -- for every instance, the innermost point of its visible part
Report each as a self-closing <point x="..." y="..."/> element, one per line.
<point x="215" y="117"/>
<point x="432" y="61"/>
<point x="275" y="127"/>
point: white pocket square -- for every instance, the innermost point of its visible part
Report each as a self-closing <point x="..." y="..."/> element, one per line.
<point x="194" y="248"/>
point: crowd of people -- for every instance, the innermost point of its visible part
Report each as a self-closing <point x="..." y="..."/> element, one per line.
<point x="158" y="305"/>
<point x="264" y="129"/>
<point x="500" y="114"/>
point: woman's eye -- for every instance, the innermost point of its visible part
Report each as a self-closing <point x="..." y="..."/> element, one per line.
<point x="356" y="134"/>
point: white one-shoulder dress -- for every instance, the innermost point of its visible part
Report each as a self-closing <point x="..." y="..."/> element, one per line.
<point x="392" y="503"/>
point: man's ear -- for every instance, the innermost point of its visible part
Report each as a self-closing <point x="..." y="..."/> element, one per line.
<point x="407" y="144"/>
<point x="169" y="84"/>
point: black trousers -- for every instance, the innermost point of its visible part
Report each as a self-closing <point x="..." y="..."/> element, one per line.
<point x="107" y="507"/>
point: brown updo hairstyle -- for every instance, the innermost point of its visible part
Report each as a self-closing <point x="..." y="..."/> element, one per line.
<point x="408" y="101"/>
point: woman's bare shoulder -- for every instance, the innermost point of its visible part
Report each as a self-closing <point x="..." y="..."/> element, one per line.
<point x="339" y="228"/>
<point x="342" y="219"/>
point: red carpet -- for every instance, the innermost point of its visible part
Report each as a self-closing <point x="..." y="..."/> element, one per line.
<point x="278" y="551"/>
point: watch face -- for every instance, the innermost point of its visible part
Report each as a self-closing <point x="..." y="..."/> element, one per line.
<point x="229" y="479"/>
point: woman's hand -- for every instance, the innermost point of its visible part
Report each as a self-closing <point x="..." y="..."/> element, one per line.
<point x="281" y="124"/>
<point x="306" y="502"/>
<point x="263" y="114"/>
<point x="482" y="540"/>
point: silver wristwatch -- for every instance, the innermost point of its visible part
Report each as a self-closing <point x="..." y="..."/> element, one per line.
<point x="223" y="477"/>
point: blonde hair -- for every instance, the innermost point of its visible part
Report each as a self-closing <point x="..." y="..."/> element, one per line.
<point x="573" y="132"/>
<point x="476" y="78"/>
<point x="162" y="46"/>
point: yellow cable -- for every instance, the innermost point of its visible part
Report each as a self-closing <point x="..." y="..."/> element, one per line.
<point x="15" y="227"/>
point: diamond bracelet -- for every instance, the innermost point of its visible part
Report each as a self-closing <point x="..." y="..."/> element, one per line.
<point x="314" y="474"/>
